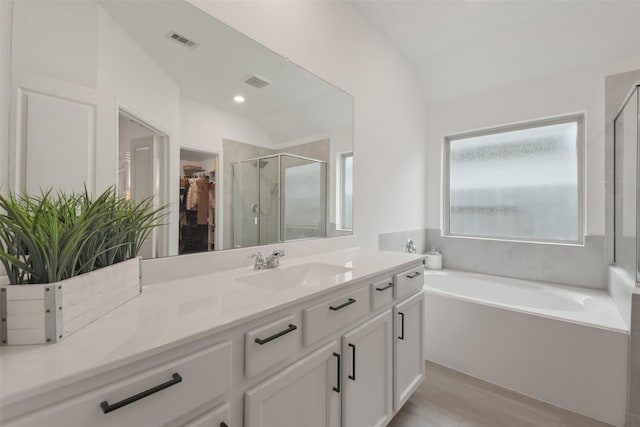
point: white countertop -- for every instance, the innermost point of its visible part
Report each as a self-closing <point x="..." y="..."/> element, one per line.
<point x="167" y="315"/>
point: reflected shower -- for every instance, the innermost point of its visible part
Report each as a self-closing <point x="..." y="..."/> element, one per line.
<point x="278" y="198"/>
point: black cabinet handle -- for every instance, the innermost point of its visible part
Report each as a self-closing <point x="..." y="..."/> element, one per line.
<point x="353" y="362"/>
<point x="401" y="337"/>
<point x="291" y="328"/>
<point x="389" y="285"/>
<point x="106" y="408"/>
<point x="413" y="276"/>
<point x="351" y="301"/>
<point x="337" y="388"/>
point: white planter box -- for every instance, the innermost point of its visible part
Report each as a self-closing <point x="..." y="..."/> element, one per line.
<point x="40" y="314"/>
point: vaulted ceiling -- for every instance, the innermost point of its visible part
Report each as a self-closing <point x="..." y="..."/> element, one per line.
<point x="460" y="47"/>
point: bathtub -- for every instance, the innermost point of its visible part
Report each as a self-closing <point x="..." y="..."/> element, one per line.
<point x="562" y="345"/>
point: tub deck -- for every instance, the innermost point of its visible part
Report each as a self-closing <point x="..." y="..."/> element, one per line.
<point x="580" y="305"/>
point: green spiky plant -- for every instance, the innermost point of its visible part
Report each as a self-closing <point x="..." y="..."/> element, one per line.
<point x="53" y="237"/>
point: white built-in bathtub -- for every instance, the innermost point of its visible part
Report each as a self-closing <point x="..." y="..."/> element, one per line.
<point x="563" y="345"/>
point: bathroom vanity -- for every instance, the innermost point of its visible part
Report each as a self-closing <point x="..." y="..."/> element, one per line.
<point x="329" y="340"/>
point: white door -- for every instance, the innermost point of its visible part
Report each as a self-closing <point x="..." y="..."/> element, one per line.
<point x="306" y="394"/>
<point x="408" y="364"/>
<point x="58" y="132"/>
<point x="367" y="352"/>
<point x="146" y="181"/>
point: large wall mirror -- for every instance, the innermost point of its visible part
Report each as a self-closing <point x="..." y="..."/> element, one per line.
<point x="161" y="99"/>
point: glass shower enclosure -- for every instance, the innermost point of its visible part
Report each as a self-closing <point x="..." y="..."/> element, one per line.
<point x="278" y="198"/>
<point x="627" y="185"/>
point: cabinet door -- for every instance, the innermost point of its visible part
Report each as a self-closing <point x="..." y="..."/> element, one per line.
<point x="408" y="367"/>
<point x="367" y="353"/>
<point x="306" y="393"/>
<point x="217" y="417"/>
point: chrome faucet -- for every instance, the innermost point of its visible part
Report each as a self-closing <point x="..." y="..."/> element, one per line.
<point x="271" y="261"/>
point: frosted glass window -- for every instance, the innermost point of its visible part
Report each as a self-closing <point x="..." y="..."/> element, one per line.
<point x="347" y="191"/>
<point x="521" y="182"/>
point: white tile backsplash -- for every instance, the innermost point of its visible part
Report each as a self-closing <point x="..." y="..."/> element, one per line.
<point x="565" y="264"/>
<point x="160" y="270"/>
<point x="620" y="287"/>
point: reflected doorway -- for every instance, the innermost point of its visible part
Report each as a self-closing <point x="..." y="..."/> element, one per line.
<point x="198" y="199"/>
<point x="142" y="172"/>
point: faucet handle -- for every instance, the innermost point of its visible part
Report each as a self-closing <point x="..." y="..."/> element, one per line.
<point x="260" y="263"/>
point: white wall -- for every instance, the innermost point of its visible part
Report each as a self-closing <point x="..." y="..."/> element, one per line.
<point x="134" y="80"/>
<point x="202" y="126"/>
<point x="5" y="88"/>
<point x="334" y="41"/>
<point x="85" y="47"/>
<point x="579" y="91"/>
<point x="68" y="52"/>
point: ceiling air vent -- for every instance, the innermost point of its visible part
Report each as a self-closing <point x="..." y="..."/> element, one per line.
<point x="182" y="40"/>
<point x="256" y="81"/>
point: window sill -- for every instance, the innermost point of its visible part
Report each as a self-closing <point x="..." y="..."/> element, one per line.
<point x="513" y="240"/>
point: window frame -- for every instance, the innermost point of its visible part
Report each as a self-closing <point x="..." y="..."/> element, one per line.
<point x="340" y="199"/>
<point x="578" y="118"/>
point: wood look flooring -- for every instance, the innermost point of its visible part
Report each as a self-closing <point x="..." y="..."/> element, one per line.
<point x="447" y="398"/>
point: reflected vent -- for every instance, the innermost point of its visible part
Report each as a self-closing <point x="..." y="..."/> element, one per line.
<point x="256" y="81"/>
<point x="182" y="40"/>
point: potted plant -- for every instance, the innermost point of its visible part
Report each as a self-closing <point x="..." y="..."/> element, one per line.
<point x="69" y="260"/>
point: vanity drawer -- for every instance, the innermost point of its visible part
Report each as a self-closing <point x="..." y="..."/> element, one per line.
<point x="217" y="417"/>
<point x="188" y="382"/>
<point x="322" y="319"/>
<point x="381" y="293"/>
<point x="269" y="345"/>
<point x="408" y="282"/>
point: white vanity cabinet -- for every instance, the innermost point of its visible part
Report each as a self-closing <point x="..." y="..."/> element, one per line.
<point x="378" y="366"/>
<point x="346" y="357"/>
<point x="408" y="366"/>
<point x="218" y="417"/>
<point x="367" y="375"/>
<point x="304" y="394"/>
<point x="148" y="399"/>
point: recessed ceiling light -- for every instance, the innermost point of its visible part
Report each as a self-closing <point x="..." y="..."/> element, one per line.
<point x="239" y="99"/>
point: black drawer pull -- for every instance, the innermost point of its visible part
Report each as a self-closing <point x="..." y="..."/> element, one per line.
<point x="353" y="362"/>
<point x="389" y="285"/>
<point x="223" y="424"/>
<point x="351" y="301"/>
<point x="413" y="276"/>
<point x="291" y="328"/>
<point x="337" y="389"/>
<point x="106" y="408"/>
<point x="401" y="337"/>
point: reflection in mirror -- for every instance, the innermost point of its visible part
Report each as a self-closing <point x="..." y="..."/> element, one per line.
<point x="626" y="219"/>
<point x="159" y="98"/>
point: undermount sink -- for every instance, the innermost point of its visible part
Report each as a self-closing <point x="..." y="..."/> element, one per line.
<point x="283" y="278"/>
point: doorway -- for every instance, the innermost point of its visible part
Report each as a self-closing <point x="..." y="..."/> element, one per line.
<point x="198" y="201"/>
<point x="142" y="172"/>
